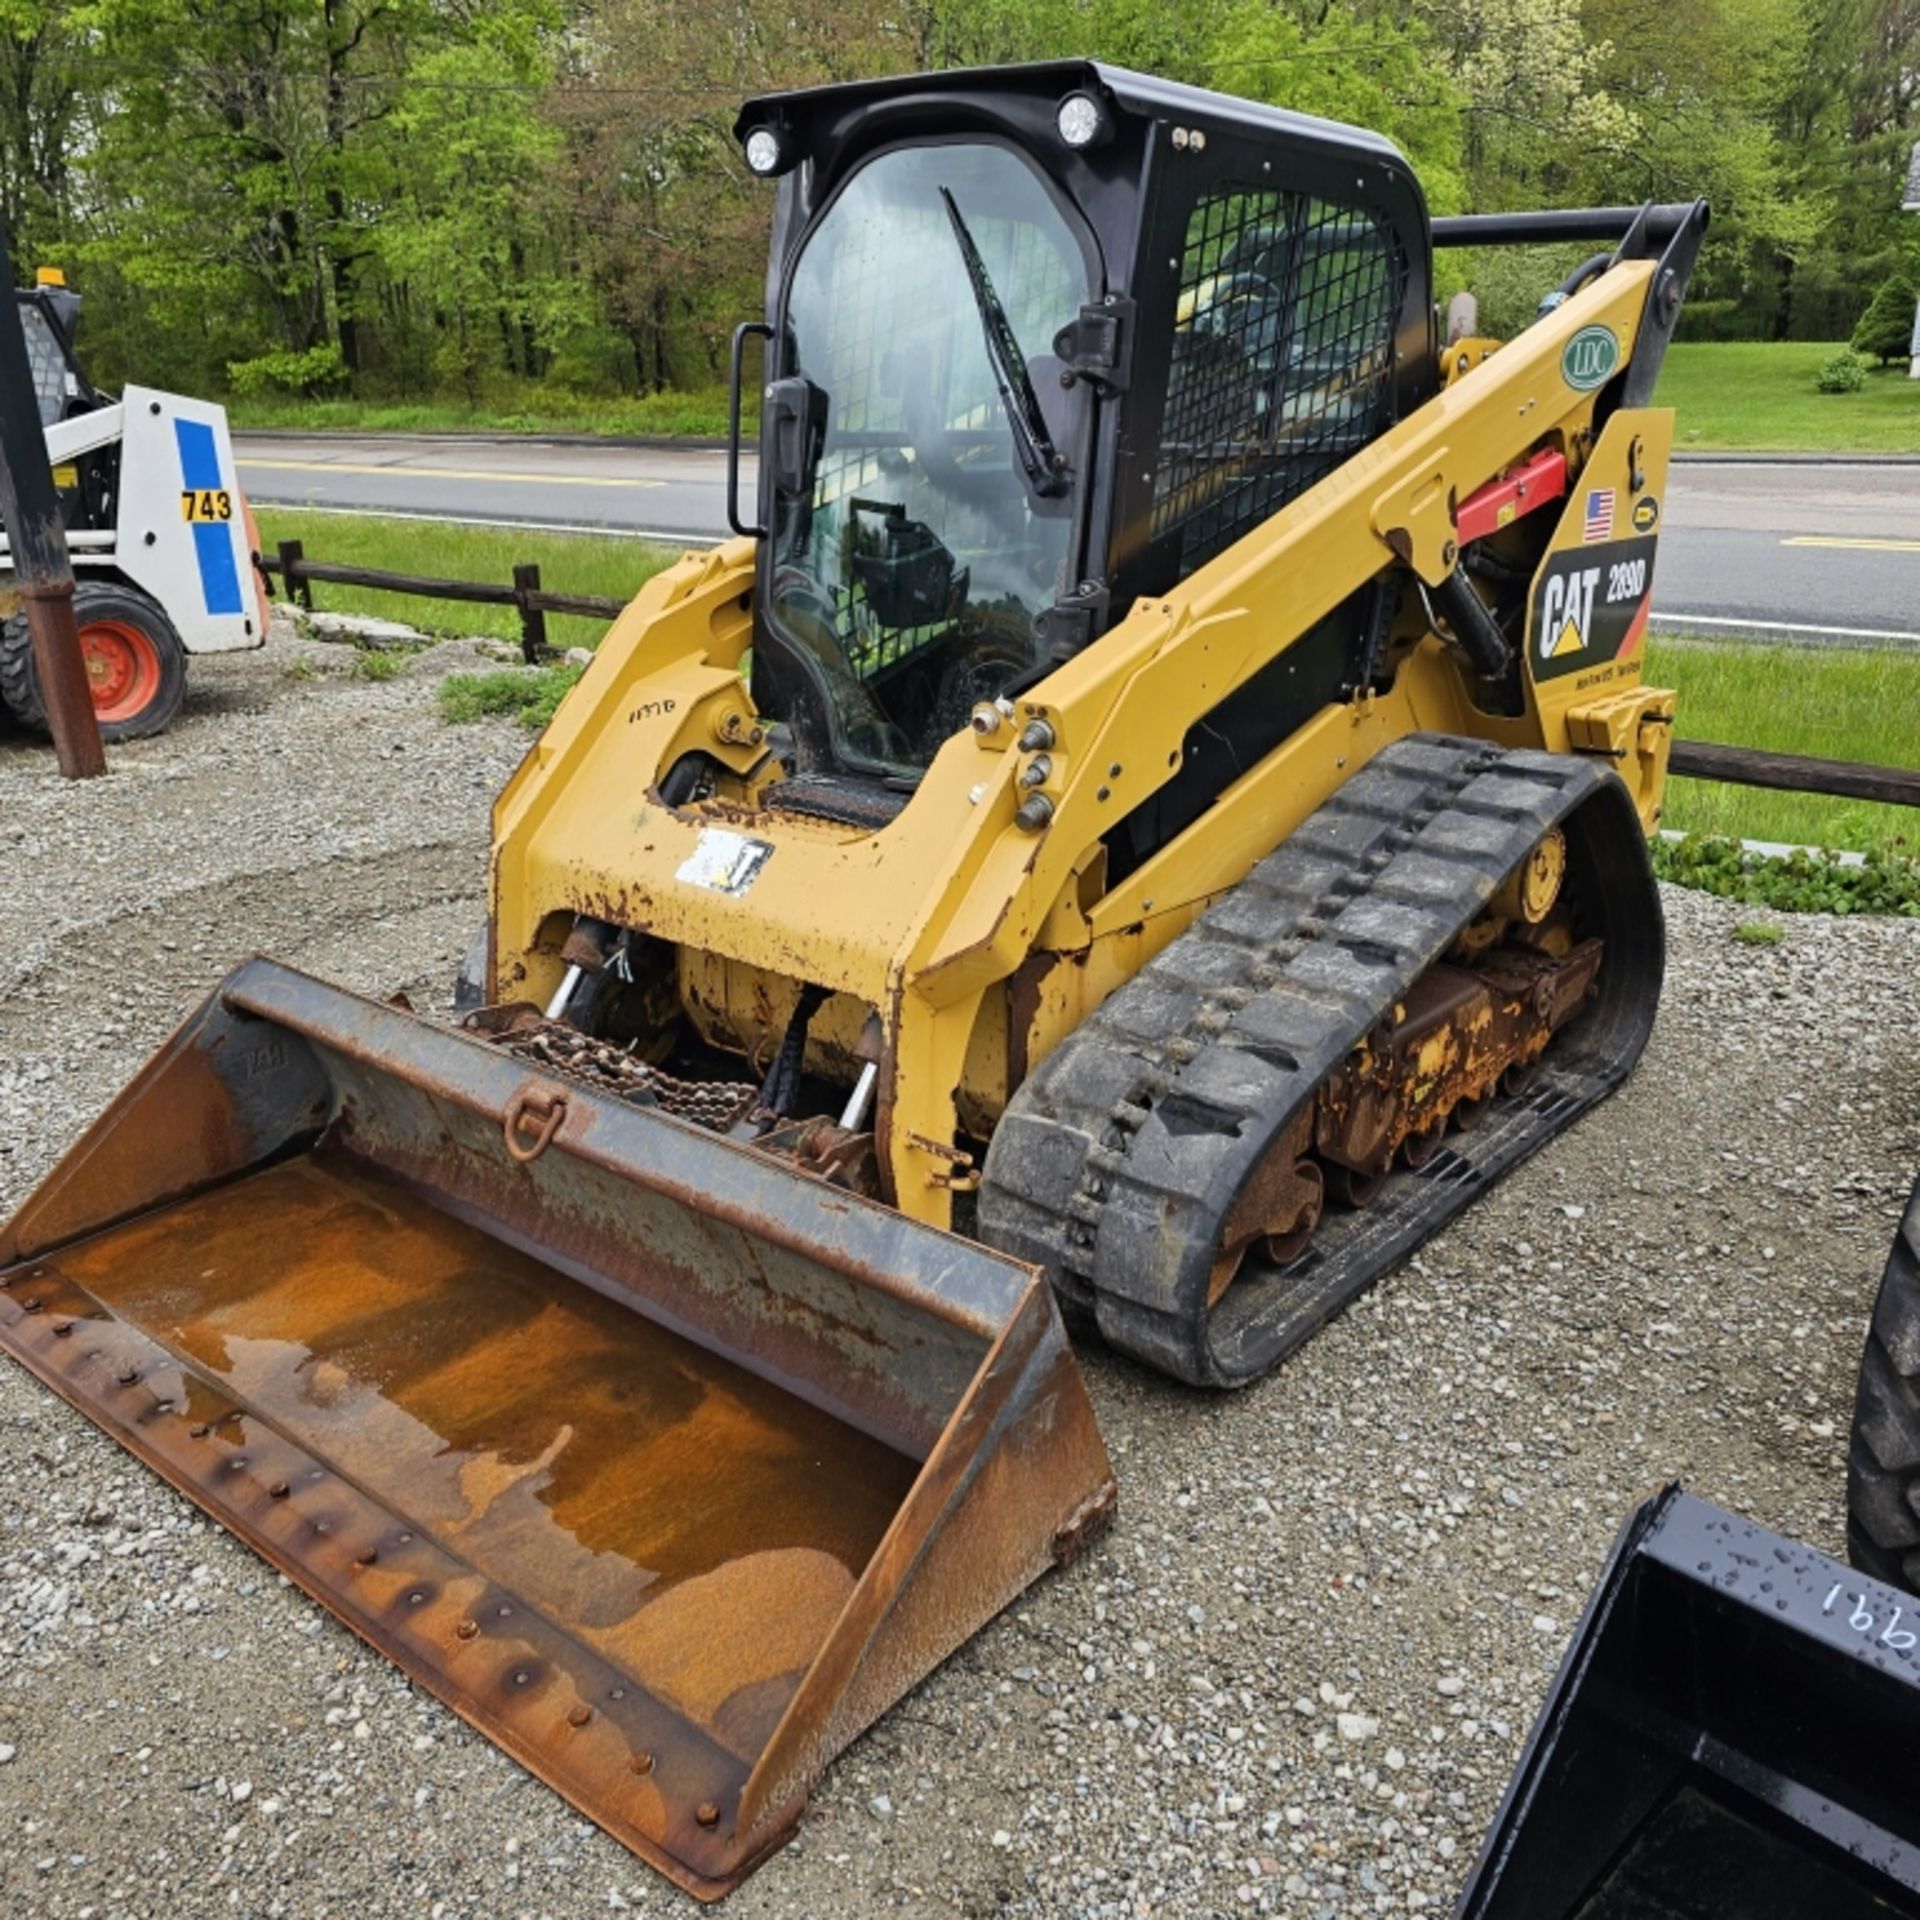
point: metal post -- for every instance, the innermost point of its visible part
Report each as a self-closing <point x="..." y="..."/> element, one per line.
<point x="38" y="537"/>
<point x="299" y="587"/>
<point x="533" y="620"/>
<point x="1910" y="203"/>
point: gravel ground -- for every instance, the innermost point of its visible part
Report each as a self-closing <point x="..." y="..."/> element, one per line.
<point x="1294" y="1677"/>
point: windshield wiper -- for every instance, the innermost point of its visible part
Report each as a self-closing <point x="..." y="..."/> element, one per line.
<point x="1044" y="465"/>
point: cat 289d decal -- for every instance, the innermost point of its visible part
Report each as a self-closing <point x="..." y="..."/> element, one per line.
<point x="1590" y="605"/>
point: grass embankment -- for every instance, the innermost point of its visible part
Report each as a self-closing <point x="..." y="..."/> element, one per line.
<point x="607" y="565"/>
<point x="533" y="410"/>
<point x="1763" y="396"/>
<point x="1837" y="703"/>
<point x="1753" y="395"/>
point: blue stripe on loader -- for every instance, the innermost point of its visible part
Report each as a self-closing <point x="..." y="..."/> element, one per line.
<point x="212" y="541"/>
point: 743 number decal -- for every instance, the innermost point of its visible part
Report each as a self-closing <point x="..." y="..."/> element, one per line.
<point x="206" y="505"/>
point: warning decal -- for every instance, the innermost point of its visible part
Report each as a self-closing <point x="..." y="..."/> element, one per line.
<point x="724" y="862"/>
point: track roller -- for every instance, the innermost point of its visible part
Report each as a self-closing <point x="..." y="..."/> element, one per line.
<point x="1376" y="986"/>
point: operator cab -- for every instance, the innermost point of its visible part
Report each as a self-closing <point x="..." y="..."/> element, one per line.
<point x="1042" y="340"/>
<point x="49" y="314"/>
<point x="49" y="319"/>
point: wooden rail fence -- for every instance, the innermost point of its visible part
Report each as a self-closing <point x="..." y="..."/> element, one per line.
<point x="297" y="574"/>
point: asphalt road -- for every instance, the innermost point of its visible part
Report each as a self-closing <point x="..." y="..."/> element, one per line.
<point x="676" y="492"/>
<point x="1752" y="546"/>
<point x="1812" y="551"/>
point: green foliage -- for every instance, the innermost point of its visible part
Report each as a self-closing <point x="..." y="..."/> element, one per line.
<point x="1844" y="373"/>
<point x="1510" y="282"/>
<point x="530" y="695"/>
<point x="1760" y="933"/>
<point x="1801" y="882"/>
<point x="1301" y="60"/>
<point x="510" y="406"/>
<point x="1703" y="81"/>
<point x="411" y="204"/>
<point x="316" y="371"/>
<point x="1886" y="328"/>
<point x="1845" y="123"/>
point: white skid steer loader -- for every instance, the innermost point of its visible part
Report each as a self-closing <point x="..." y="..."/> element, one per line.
<point x="161" y="536"/>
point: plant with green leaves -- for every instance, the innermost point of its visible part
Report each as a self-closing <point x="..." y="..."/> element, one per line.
<point x="1886" y="328"/>
<point x="1844" y="373"/>
<point x="1804" y="881"/>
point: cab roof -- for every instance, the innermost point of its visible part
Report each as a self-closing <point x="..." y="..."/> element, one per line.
<point x="824" y="111"/>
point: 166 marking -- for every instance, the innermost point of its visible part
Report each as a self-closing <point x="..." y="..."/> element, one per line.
<point x="1861" y="1619"/>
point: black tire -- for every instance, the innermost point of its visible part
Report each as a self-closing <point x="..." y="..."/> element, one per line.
<point x="139" y="623"/>
<point x="1883" y="1458"/>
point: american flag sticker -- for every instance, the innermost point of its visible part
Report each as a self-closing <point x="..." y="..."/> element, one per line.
<point x="1599" y="514"/>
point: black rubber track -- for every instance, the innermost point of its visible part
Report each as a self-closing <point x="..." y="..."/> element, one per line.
<point x="1883" y="1459"/>
<point x="1119" y="1157"/>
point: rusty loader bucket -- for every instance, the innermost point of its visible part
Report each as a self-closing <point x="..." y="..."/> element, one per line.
<point x="1733" y="1735"/>
<point x="668" y="1468"/>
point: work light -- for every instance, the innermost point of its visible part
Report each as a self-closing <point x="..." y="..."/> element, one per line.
<point x="766" y="150"/>
<point x="1082" y="120"/>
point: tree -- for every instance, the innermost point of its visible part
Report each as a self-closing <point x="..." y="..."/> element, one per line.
<point x="411" y="196"/>
<point x="43" y="111"/>
<point x="1346" y="63"/>
<point x="1886" y="328"/>
<point x="670" y="227"/>
<point x="247" y="153"/>
<point x="461" y="228"/>
<point x="1844" y="122"/>
<point x="1703" y="80"/>
<point x="1540" y="118"/>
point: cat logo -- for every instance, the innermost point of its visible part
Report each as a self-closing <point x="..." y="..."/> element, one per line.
<point x="1566" y="612"/>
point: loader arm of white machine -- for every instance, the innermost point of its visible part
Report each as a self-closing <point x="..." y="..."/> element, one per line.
<point x="85" y="433"/>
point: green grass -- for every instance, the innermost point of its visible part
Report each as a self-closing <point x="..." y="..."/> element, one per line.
<point x="1839" y="703"/>
<point x="534" y="409"/>
<point x="569" y="563"/>
<point x="380" y="664"/>
<point x="1761" y="395"/>
<point x="1759" y="933"/>
<point x="526" y="694"/>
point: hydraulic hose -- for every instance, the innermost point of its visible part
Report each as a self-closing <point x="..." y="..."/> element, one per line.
<point x="1474" y="629"/>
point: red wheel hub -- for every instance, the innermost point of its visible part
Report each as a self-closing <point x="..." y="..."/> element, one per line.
<point x="123" y="668"/>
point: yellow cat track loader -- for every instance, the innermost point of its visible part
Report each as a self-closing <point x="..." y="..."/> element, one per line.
<point x="1147" y="819"/>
